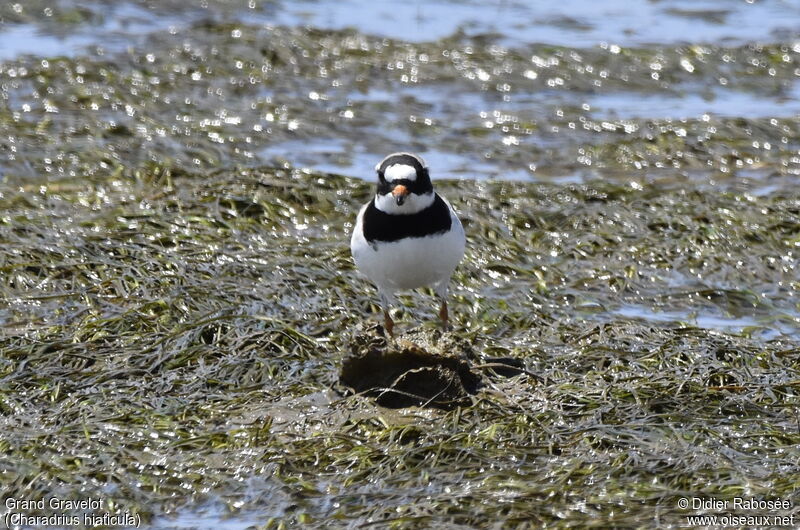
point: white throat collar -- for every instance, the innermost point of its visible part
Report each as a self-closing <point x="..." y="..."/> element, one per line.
<point x="414" y="203"/>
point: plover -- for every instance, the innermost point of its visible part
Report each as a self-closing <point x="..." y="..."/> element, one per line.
<point x="407" y="236"/>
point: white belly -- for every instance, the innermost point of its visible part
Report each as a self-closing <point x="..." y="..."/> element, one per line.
<point x="412" y="262"/>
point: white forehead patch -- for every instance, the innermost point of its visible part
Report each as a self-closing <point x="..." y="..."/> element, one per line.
<point x="400" y="171"/>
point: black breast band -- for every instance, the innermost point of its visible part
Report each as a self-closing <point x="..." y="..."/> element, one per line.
<point x="382" y="226"/>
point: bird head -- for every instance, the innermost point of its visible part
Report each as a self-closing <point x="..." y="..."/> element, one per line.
<point x="404" y="185"/>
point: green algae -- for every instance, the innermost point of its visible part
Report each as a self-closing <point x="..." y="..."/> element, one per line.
<point x="167" y="345"/>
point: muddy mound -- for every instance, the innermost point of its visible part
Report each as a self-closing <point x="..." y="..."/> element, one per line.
<point x="418" y="369"/>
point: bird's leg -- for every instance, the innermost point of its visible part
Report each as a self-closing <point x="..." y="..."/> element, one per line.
<point x="441" y="292"/>
<point x="444" y="316"/>
<point x="388" y="323"/>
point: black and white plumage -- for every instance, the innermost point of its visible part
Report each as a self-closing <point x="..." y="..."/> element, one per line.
<point x="407" y="236"/>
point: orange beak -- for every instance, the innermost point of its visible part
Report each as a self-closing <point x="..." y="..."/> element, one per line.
<point x="400" y="193"/>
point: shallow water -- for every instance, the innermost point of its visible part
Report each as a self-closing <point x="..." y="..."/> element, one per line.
<point x="573" y="23"/>
<point x="178" y="182"/>
<point x="577" y="23"/>
<point x="118" y="25"/>
<point x="473" y="121"/>
<point x="765" y="329"/>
